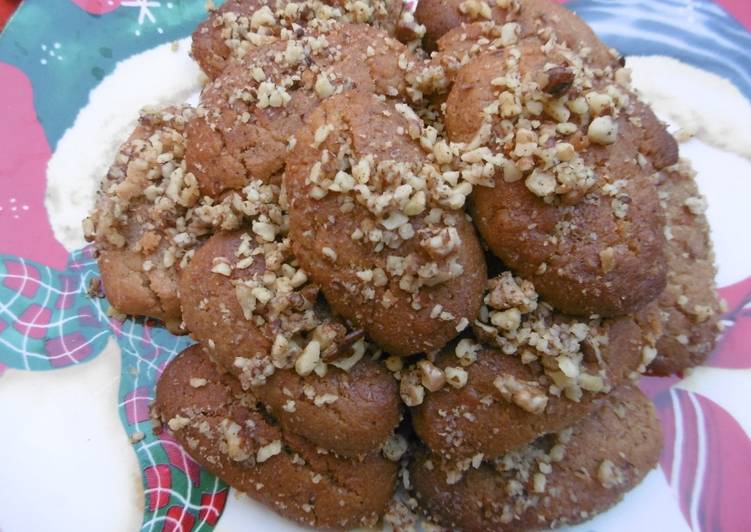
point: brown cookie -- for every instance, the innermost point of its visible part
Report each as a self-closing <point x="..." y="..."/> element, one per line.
<point x="239" y="26"/>
<point x="559" y="479"/>
<point x="248" y="114"/>
<point x="532" y="17"/>
<point x="507" y="403"/>
<point x="211" y="307"/>
<point x="571" y="206"/>
<point x="220" y="426"/>
<point x="142" y="200"/>
<point x="349" y="412"/>
<point x="689" y="306"/>
<point x="460" y="45"/>
<point x="366" y="224"/>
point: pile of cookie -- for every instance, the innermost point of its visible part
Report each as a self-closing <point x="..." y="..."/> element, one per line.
<point x="429" y="251"/>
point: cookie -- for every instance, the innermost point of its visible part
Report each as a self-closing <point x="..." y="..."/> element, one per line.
<point x="239" y="26"/>
<point x="571" y="206"/>
<point x="525" y="18"/>
<point x="517" y="391"/>
<point x="349" y="412"/>
<point x="142" y="200"/>
<point x="379" y="228"/>
<point x="221" y="427"/>
<point x="689" y="306"/>
<point x="249" y="114"/>
<point x="559" y="479"/>
<point x="262" y="332"/>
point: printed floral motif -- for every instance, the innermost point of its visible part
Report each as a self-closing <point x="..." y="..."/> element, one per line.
<point x="53" y="319"/>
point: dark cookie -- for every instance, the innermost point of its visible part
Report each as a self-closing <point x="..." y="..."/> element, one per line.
<point x="533" y="17"/>
<point x="220" y="426"/>
<point x="559" y="479"/>
<point x="349" y="412"/>
<point x="410" y="276"/>
<point x="249" y="114"/>
<point x="142" y="200"/>
<point x="689" y="306"/>
<point x="571" y="207"/>
<point x="480" y="418"/>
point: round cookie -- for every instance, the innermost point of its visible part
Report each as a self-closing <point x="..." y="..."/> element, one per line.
<point x="689" y="305"/>
<point x="142" y="203"/>
<point x="531" y="17"/>
<point x="220" y="427"/>
<point x="249" y="114"/>
<point x="386" y="256"/>
<point x="351" y="409"/>
<point x="238" y="26"/>
<point x="557" y="480"/>
<point x="498" y="408"/>
<point x="350" y="413"/>
<point x="460" y="45"/>
<point x="571" y="206"/>
<point x="212" y="309"/>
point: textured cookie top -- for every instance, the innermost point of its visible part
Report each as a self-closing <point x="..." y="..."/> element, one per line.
<point x="224" y="429"/>
<point x="249" y="114"/>
<point x="561" y="478"/>
<point x="570" y="205"/>
<point x="239" y="26"/>
<point x="380" y="227"/>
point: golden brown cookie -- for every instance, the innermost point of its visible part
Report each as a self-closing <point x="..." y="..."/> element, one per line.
<point x="689" y="306"/>
<point x="351" y="408"/>
<point x="220" y="426"/>
<point x="372" y="223"/>
<point x="239" y="26"/>
<point x="559" y="479"/>
<point x="571" y="206"/>
<point x="248" y="114"/>
<point x="350" y="413"/>
<point x="506" y="403"/>
<point x="137" y="217"/>
<point x="527" y="17"/>
<point x="211" y="301"/>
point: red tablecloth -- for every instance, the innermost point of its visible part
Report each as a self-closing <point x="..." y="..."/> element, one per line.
<point x="6" y="8"/>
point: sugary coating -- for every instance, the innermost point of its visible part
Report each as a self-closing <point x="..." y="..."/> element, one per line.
<point x="248" y="114"/>
<point x="689" y="306"/>
<point x="531" y="17"/>
<point x="366" y="225"/>
<point x="221" y="427"/>
<point x="239" y="26"/>
<point x="557" y="480"/>
<point x="140" y="210"/>
<point x="571" y="206"/>
<point x="499" y="408"/>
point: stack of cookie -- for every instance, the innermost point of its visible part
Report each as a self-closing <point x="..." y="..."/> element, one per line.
<point x="448" y="266"/>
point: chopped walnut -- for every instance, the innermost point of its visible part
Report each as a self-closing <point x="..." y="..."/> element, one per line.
<point x="526" y="394"/>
